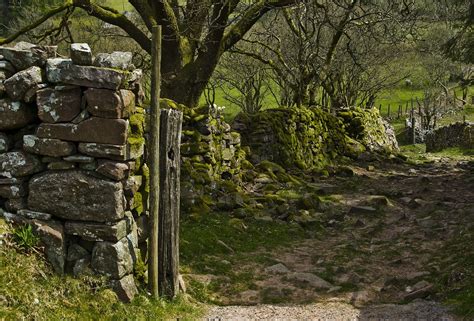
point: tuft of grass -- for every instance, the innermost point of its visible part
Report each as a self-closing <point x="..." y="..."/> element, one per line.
<point x="31" y="290"/>
<point x="25" y="238"/>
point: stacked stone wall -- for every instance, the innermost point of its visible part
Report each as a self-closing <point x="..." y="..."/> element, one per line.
<point x="460" y="134"/>
<point x="71" y="157"/>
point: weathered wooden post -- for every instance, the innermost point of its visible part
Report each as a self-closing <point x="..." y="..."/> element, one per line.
<point x="168" y="257"/>
<point x="153" y="161"/>
<point x="406" y="109"/>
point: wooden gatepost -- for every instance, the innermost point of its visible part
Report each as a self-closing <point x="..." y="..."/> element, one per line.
<point x="164" y="161"/>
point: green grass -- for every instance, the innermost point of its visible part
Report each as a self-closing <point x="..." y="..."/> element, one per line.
<point x="30" y="290"/>
<point x="217" y="243"/>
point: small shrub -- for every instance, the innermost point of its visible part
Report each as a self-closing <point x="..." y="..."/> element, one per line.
<point x="25" y="238"/>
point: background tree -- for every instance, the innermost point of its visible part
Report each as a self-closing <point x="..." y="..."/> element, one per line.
<point x="196" y="33"/>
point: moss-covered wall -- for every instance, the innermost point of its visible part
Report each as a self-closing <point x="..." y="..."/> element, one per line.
<point x="311" y="138"/>
<point x="367" y="127"/>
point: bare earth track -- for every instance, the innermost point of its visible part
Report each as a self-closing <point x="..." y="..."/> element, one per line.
<point x="389" y="240"/>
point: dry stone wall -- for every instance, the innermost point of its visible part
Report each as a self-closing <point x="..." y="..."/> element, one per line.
<point x="460" y="134"/>
<point x="71" y="157"/>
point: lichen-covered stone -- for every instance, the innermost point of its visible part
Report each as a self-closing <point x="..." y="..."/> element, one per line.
<point x="59" y="104"/>
<point x="18" y="164"/>
<point x="81" y="54"/>
<point x="113" y="259"/>
<point x="76" y="195"/>
<point x="117" y="59"/>
<point x="12" y="191"/>
<point x="64" y="71"/>
<point x="20" y="85"/>
<point x="92" y="130"/>
<point x="15" y="114"/>
<point x="110" y="104"/>
<point x="98" y="232"/>
<point x="47" y="146"/>
<point x="4" y="143"/>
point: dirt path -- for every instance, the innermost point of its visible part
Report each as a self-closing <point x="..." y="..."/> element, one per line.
<point x="388" y="236"/>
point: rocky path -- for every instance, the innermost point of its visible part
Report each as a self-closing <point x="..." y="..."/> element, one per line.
<point x="389" y="235"/>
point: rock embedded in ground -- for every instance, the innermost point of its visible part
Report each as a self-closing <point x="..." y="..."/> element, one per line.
<point x="76" y="195"/>
<point x="52" y="236"/>
<point x="81" y="54"/>
<point x="362" y="210"/>
<point x="277" y="269"/>
<point x="47" y="147"/>
<point x="59" y="104"/>
<point x="15" y="114"/>
<point x="125" y="288"/>
<point x="309" y="279"/>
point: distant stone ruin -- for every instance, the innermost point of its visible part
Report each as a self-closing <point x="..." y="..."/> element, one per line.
<point x="72" y="157"/>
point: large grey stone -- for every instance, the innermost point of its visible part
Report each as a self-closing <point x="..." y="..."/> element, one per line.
<point x="92" y="130"/>
<point x="110" y="104"/>
<point x="47" y="147"/>
<point x="309" y="279"/>
<point x="59" y="104"/>
<point x="18" y="164"/>
<point x="25" y="55"/>
<point x="98" y="232"/>
<point x="52" y="236"/>
<point x="19" y="85"/>
<point x="117" y="59"/>
<point x="15" y="114"/>
<point x="125" y="288"/>
<point x="64" y="71"/>
<point x="113" y="259"/>
<point x="81" y="54"/>
<point x="76" y="195"/>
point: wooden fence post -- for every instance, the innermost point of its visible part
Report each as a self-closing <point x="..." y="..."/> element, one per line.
<point x="153" y="162"/>
<point x="168" y="258"/>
